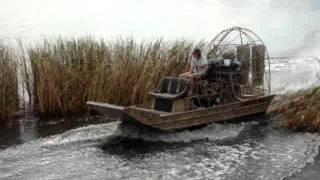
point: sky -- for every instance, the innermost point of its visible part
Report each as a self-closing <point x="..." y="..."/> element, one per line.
<point x="285" y="25"/>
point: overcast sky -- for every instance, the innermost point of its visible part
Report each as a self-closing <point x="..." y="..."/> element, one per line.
<point x="284" y="25"/>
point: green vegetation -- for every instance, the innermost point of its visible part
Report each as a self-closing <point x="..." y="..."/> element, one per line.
<point x="9" y="99"/>
<point x="67" y="73"/>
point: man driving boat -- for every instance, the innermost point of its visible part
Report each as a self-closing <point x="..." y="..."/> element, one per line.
<point x="198" y="67"/>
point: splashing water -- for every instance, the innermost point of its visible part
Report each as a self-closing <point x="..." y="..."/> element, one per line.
<point x="293" y="74"/>
<point x="249" y="150"/>
<point x="210" y="132"/>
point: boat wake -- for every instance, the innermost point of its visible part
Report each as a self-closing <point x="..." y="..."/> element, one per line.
<point x="248" y="150"/>
<point x="239" y="151"/>
<point x="211" y="132"/>
<point x="84" y="136"/>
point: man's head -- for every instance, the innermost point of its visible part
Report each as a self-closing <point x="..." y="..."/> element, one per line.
<point x="196" y="53"/>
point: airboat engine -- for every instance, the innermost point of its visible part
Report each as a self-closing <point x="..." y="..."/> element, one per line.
<point x="237" y="69"/>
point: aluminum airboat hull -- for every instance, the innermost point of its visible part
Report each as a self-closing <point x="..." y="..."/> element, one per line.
<point x="172" y="121"/>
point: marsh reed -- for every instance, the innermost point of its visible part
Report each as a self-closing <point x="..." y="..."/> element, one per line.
<point x="68" y="72"/>
<point x="304" y="113"/>
<point x="300" y="110"/>
<point x="60" y="75"/>
<point x="9" y="99"/>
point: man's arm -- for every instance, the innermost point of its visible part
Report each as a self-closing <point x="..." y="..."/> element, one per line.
<point x="190" y="70"/>
<point x="191" y="65"/>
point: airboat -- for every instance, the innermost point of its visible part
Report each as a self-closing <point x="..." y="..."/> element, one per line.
<point x="236" y="85"/>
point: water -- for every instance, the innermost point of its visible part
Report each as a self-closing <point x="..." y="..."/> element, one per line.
<point x="76" y="148"/>
<point x="232" y="151"/>
<point x="293" y="74"/>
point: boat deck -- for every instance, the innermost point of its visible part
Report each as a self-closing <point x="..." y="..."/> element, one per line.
<point x="171" y="121"/>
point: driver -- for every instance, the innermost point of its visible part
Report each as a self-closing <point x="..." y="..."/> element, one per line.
<point x="198" y="67"/>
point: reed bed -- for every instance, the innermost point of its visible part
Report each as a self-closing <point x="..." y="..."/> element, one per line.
<point x="9" y="99"/>
<point x="300" y="110"/>
<point x="69" y="72"/>
<point x="65" y="73"/>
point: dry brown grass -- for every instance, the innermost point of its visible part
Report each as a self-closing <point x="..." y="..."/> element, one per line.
<point x="9" y="99"/>
<point x="67" y="73"/>
<point x="301" y="110"/>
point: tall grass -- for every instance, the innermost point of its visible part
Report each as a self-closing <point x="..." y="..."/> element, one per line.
<point x="9" y="99"/>
<point x="60" y="75"/>
<point x="300" y="110"/>
<point x="67" y="72"/>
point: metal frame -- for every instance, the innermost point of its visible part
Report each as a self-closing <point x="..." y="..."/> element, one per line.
<point x="242" y="36"/>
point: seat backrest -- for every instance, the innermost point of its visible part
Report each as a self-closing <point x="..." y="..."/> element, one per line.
<point x="183" y="85"/>
<point x="172" y="85"/>
<point x="164" y="85"/>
